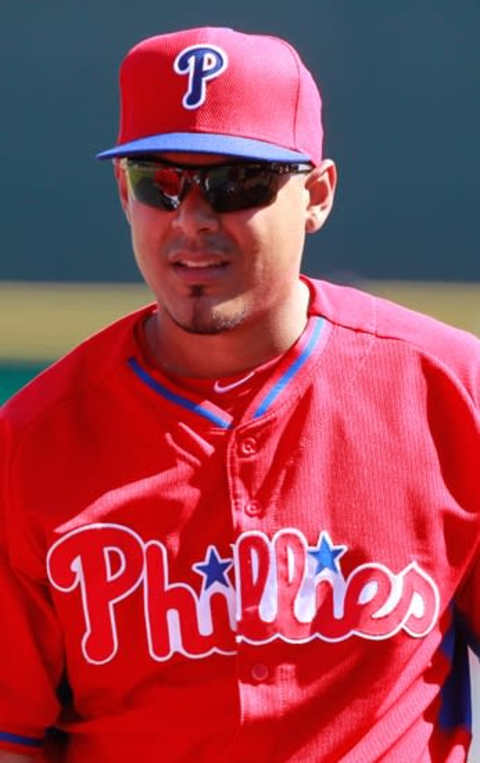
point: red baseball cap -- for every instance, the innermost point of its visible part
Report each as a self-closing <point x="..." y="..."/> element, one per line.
<point x="216" y="90"/>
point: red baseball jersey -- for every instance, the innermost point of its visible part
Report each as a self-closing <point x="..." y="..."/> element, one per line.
<point x="289" y="576"/>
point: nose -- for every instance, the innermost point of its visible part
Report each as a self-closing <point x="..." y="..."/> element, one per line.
<point x="195" y="213"/>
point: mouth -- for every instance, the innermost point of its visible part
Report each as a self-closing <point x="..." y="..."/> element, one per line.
<point x="200" y="264"/>
<point x="199" y="268"/>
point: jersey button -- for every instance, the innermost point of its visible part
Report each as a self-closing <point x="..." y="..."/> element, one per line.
<point x="248" y="446"/>
<point x="253" y="509"/>
<point x="260" y="672"/>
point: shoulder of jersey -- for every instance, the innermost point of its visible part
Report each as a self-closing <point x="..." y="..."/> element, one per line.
<point x="88" y="363"/>
<point x="454" y="350"/>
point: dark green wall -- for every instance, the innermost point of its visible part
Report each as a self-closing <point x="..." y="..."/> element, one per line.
<point x="15" y="375"/>
<point x="400" y="83"/>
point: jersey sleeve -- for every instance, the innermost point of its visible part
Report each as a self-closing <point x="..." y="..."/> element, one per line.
<point x="31" y="662"/>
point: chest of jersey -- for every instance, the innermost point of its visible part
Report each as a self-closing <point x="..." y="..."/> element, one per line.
<point x="282" y="560"/>
<point x="319" y="522"/>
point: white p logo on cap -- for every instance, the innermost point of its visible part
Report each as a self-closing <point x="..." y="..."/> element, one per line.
<point x="202" y="63"/>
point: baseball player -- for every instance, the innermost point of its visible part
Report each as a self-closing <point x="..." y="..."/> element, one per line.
<point x="241" y="523"/>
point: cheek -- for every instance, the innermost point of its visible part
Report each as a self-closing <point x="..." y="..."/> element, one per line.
<point x="276" y="239"/>
<point x="140" y="247"/>
<point x="290" y="231"/>
<point x="145" y="230"/>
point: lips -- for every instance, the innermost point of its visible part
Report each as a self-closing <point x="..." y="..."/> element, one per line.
<point x="199" y="267"/>
<point x="197" y="259"/>
<point x="199" y="264"/>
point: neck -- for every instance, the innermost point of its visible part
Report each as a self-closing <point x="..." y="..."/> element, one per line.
<point x="248" y="345"/>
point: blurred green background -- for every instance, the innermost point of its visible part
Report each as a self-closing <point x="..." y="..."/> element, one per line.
<point x="401" y="111"/>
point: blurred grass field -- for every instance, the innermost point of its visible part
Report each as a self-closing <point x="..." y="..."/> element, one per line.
<point x="39" y="322"/>
<point x="42" y="321"/>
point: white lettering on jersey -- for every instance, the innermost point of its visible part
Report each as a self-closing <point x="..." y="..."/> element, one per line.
<point x="278" y="588"/>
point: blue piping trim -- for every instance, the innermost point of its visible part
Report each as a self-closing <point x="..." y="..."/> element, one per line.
<point x="291" y="371"/>
<point x="449" y="640"/>
<point x="26" y="741"/>
<point x="455" y="710"/>
<point x="472" y="639"/>
<point x="184" y="402"/>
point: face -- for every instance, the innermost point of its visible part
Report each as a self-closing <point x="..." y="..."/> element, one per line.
<point x="212" y="272"/>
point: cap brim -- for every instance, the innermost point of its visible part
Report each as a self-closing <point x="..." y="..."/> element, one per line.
<point x="205" y="143"/>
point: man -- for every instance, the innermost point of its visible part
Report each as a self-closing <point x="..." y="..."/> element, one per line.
<point x="242" y="523"/>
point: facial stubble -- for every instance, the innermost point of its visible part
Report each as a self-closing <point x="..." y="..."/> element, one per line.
<point x="205" y="320"/>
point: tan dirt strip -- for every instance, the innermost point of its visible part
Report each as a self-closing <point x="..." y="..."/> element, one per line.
<point x="42" y="321"/>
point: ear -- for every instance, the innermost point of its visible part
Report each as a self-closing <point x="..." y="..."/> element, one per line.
<point x="121" y="178"/>
<point x="320" y="184"/>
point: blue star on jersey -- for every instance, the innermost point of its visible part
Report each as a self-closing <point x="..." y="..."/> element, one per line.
<point x="326" y="554"/>
<point x="213" y="568"/>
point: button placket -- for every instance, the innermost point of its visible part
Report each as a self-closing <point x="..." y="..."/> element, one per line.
<point x="253" y="508"/>
<point x="246" y="464"/>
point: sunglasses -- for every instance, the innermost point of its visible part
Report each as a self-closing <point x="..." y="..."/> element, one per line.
<point x="227" y="187"/>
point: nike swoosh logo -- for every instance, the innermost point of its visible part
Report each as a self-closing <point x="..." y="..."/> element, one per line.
<point x="217" y="387"/>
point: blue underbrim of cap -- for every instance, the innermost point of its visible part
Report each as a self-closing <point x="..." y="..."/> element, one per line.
<point x="205" y="143"/>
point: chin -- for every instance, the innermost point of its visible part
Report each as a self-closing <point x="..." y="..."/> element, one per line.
<point x="209" y="320"/>
<point x="209" y="325"/>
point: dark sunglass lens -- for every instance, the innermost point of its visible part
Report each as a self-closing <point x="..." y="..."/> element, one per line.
<point x="232" y="188"/>
<point x="156" y="186"/>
